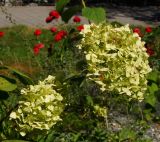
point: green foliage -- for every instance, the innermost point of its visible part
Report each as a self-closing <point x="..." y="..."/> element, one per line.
<point x="152" y="96"/>
<point x="14" y="141"/>
<point x="85" y="117"/>
<point x="7" y="86"/>
<point x="97" y="15"/>
<point x="127" y="134"/>
<point x="153" y="76"/>
<point x="68" y="13"/>
<point x="61" y="4"/>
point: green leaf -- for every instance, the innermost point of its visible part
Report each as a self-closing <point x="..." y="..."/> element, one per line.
<point x="153" y="88"/>
<point x="89" y="100"/>
<point x="22" y="77"/>
<point x="67" y="14"/>
<point x="153" y="76"/>
<point x="151" y="99"/>
<point x="96" y="15"/>
<point x="126" y="134"/>
<point x="61" y="4"/>
<point x="9" y="79"/>
<point x="7" y="86"/>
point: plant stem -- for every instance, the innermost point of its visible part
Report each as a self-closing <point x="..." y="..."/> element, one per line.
<point x="83" y="3"/>
<point x="141" y="112"/>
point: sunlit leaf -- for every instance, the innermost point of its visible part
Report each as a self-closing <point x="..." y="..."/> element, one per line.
<point x="7" y="86"/>
<point x="96" y="15"/>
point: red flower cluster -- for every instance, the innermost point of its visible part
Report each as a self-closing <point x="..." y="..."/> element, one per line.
<point x="37" y="47"/>
<point x="60" y="35"/>
<point x="37" y="32"/>
<point x="80" y="28"/>
<point x="53" y="29"/>
<point x="76" y="19"/>
<point x="1" y="34"/>
<point x="148" y="29"/>
<point x="52" y="15"/>
<point x="138" y="31"/>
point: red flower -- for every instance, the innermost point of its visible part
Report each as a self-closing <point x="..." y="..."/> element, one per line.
<point x="150" y="51"/>
<point x="58" y="37"/>
<point x="148" y="29"/>
<point x="138" y="31"/>
<point x="37" y="47"/>
<point x="54" y="14"/>
<point x="37" y="32"/>
<point x="62" y="33"/>
<point x="80" y="28"/>
<point x="53" y="29"/>
<point x="76" y="19"/>
<point x="49" y="19"/>
<point x="36" y="50"/>
<point x="1" y="34"/>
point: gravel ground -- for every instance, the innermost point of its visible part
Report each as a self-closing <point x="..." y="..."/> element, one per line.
<point x="117" y="121"/>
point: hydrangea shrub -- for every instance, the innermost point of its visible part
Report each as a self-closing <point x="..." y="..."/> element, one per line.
<point x="40" y="108"/>
<point x="117" y="59"/>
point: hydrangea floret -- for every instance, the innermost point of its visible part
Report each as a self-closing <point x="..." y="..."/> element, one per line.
<point x="117" y="59"/>
<point x="40" y="107"/>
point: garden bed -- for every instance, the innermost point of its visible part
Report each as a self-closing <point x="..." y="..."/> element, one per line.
<point x="82" y="83"/>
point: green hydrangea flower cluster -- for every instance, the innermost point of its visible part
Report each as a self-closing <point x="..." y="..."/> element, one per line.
<point x="100" y="111"/>
<point x="40" y="107"/>
<point x="117" y="59"/>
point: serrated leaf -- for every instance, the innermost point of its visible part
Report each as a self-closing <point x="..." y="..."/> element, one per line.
<point x="7" y="86"/>
<point x="67" y="14"/>
<point x="61" y="4"/>
<point x="96" y="15"/>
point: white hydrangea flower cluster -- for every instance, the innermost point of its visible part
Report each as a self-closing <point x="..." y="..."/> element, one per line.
<point x="40" y="108"/>
<point x="117" y="59"/>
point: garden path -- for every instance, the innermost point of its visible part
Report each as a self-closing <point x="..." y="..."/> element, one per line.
<point x="35" y="15"/>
